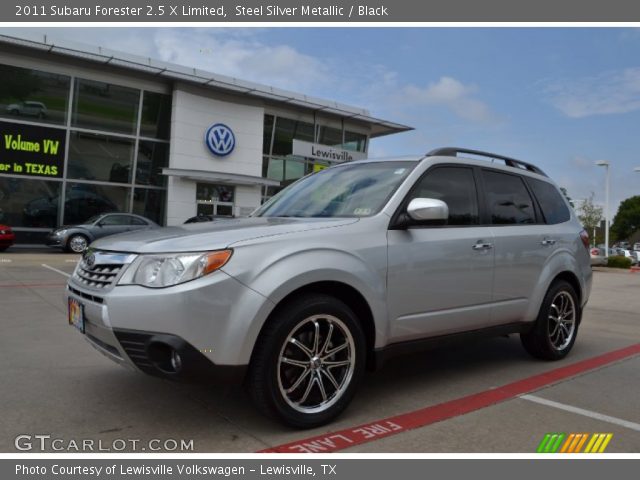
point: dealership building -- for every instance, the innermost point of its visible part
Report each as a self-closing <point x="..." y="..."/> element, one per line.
<point x="87" y="130"/>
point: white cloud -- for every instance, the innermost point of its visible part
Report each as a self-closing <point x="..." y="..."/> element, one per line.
<point x="451" y="94"/>
<point x="242" y="55"/>
<point x="608" y="93"/>
<point x="236" y="52"/>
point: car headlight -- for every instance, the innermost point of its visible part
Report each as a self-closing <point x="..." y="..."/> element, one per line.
<point x="168" y="269"/>
<point x="60" y="232"/>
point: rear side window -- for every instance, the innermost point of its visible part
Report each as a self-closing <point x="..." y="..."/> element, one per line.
<point x="137" y="221"/>
<point x="508" y="199"/>
<point x="456" y="187"/>
<point x="553" y="206"/>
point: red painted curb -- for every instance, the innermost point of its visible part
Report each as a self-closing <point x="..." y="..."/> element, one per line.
<point x="335" y="441"/>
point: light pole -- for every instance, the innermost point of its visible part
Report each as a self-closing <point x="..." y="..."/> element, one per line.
<point x="604" y="163"/>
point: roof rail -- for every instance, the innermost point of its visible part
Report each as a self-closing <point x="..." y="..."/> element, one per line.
<point x="509" y="162"/>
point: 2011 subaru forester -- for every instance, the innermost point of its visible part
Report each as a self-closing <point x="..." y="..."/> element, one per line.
<point x="338" y="271"/>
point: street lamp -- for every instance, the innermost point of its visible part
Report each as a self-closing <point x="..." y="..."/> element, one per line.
<point x="604" y="163"/>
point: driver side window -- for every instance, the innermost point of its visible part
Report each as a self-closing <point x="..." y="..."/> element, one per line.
<point x="456" y="187"/>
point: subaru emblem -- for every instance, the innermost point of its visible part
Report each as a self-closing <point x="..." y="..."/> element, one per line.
<point x="220" y="139"/>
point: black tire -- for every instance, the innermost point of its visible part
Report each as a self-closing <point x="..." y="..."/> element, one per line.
<point x="75" y="239"/>
<point x="4" y="248"/>
<point x="304" y="319"/>
<point x="551" y="340"/>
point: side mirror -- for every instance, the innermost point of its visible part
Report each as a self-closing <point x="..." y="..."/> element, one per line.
<point x="427" y="209"/>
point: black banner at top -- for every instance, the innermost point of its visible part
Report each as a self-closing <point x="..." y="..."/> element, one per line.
<point x="343" y="11"/>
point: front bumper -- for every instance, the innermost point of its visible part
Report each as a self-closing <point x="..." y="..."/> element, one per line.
<point x="211" y="323"/>
<point x="54" y="241"/>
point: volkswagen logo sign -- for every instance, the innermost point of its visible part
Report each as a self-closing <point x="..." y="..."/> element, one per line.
<point x="220" y="140"/>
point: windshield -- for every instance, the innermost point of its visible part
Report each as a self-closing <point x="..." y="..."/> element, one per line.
<point x="353" y="190"/>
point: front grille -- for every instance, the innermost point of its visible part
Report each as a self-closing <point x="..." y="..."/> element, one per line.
<point x="93" y="298"/>
<point x="99" y="270"/>
<point x="98" y="276"/>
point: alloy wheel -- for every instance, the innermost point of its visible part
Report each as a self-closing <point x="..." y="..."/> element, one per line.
<point x="316" y="363"/>
<point x="562" y="320"/>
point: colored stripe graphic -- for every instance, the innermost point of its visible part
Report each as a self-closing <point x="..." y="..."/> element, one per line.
<point x="334" y="441"/>
<point x="574" y="442"/>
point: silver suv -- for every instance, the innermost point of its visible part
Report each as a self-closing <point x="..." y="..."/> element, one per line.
<point x="336" y="273"/>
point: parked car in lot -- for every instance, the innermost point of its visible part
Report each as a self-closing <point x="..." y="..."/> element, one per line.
<point x="338" y="272"/>
<point x="76" y="238"/>
<point x="636" y="247"/>
<point x="7" y="237"/>
<point x="597" y="256"/>
<point x="628" y="254"/>
<point x="205" y="218"/>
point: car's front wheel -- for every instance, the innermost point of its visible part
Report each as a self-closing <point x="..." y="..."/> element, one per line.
<point x="308" y="361"/>
<point x="556" y="327"/>
<point x="77" y="243"/>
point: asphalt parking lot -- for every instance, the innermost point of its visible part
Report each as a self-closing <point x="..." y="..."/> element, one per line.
<point x="54" y="383"/>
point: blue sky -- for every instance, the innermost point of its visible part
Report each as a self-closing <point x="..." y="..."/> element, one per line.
<point x="562" y="98"/>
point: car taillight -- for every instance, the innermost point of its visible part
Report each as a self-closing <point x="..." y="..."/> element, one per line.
<point x="584" y="236"/>
<point x="595" y="251"/>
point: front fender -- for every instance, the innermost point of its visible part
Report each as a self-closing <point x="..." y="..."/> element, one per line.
<point x="288" y="269"/>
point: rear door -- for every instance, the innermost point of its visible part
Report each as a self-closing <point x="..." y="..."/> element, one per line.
<point x="138" y="223"/>
<point x="440" y="277"/>
<point x="523" y="243"/>
<point x="112" y="224"/>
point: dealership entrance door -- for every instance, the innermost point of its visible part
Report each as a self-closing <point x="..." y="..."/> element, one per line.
<point x="215" y="199"/>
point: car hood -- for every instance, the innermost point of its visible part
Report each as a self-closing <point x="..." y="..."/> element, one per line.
<point x="204" y="236"/>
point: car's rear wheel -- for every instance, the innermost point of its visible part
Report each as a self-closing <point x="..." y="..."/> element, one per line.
<point x="77" y="243"/>
<point x="556" y="327"/>
<point x="308" y="362"/>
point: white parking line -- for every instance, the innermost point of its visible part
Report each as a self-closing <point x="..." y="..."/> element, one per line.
<point x="55" y="270"/>
<point x="582" y="411"/>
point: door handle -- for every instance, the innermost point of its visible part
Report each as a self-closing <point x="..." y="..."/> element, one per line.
<point x="548" y="241"/>
<point x="482" y="246"/>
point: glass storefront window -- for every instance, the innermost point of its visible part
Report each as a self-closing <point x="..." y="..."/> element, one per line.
<point x="156" y="115"/>
<point x="150" y="203"/>
<point x="84" y="200"/>
<point x="356" y="142"/>
<point x="268" y="133"/>
<point x="209" y="192"/>
<point x="294" y="169"/>
<point x="100" y="157"/>
<point x="29" y="203"/>
<point x="330" y="136"/>
<point x="286" y="131"/>
<point x="103" y="106"/>
<point x="275" y="169"/>
<point x="152" y="158"/>
<point x="33" y="95"/>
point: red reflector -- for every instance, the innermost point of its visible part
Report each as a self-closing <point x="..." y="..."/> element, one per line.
<point x="584" y="236"/>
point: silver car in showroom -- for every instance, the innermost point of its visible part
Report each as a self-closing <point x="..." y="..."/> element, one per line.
<point x="338" y="272"/>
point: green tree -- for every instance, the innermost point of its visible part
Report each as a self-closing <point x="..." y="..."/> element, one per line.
<point x="589" y="214"/>
<point x="627" y="220"/>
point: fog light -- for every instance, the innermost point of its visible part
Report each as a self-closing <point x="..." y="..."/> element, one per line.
<point x="176" y="361"/>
